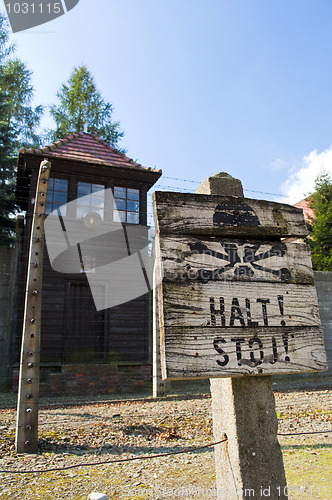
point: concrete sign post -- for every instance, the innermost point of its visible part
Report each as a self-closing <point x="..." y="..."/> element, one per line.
<point x="237" y="300"/>
<point x="158" y="385"/>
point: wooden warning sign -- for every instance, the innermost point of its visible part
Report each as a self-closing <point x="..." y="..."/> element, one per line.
<point x="234" y="298"/>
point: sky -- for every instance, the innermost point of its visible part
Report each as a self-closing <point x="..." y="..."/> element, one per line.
<point x="201" y="87"/>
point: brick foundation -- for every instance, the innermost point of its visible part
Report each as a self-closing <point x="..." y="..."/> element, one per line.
<point x="91" y="379"/>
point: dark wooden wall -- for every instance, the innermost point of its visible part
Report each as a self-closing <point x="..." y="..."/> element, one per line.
<point x="72" y="330"/>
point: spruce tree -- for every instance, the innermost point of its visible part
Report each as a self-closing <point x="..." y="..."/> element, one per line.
<point x="7" y="183"/>
<point x="18" y="122"/>
<point x="81" y="105"/>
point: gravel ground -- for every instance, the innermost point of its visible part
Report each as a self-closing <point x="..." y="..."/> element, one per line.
<point x="121" y="429"/>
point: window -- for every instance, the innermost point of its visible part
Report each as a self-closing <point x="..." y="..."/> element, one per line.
<point x="91" y="198"/>
<point x="126" y="205"/>
<point x="57" y="195"/>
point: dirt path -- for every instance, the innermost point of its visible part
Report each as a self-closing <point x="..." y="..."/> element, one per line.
<point x="86" y="434"/>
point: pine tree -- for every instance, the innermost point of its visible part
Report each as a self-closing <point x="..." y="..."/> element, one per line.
<point x="80" y="105"/>
<point x="7" y="183"/>
<point x="320" y="228"/>
<point x="16" y="84"/>
<point x="7" y="203"/>
<point x="18" y="121"/>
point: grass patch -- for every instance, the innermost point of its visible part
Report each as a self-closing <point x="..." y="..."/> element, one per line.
<point x="308" y="471"/>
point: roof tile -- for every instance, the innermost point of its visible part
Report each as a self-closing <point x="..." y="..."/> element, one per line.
<point x="89" y="148"/>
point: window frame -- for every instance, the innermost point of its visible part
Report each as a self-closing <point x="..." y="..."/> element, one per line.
<point x="101" y="210"/>
<point x="51" y="206"/>
<point x="126" y="199"/>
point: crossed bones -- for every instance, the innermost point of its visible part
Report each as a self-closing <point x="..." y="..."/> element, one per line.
<point x="240" y="259"/>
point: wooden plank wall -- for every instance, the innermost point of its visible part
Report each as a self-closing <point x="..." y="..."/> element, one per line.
<point x="71" y="332"/>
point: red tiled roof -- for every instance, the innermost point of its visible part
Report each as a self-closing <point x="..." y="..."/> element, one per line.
<point x="307" y="211"/>
<point x="87" y="148"/>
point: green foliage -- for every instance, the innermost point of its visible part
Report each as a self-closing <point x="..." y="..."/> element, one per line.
<point x="7" y="185"/>
<point x="18" y="121"/>
<point x="80" y="105"/>
<point x="320" y="228"/>
<point x="16" y="84"/>
<point x="5" y="47"/>
<point x="7" y="204"/>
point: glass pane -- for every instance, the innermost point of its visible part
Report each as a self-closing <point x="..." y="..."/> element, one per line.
<point x="133" y="194"/>
<point x="133" y="206"/>
<point x="61" y="208"/>
<point x="120" y="204"/>
<point x="60" y="197"/>
<point x="56" y="206"/>
<point x="97" y="201"/>
<point x="60" y="185"/>
<point x="96" y="206"/>
<point x="51" y="184"/>
<point x="132" y="217"/>
<point x="97" y="187"/>
<point x="84" y="206"/>
<point x="83" y="188"/>
<point x="119" y="192"/>
<point x="119" y="216"/>
<point x="48" y="208"/>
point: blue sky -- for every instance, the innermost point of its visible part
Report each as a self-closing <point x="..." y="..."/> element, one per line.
<point x="201" y="87"/>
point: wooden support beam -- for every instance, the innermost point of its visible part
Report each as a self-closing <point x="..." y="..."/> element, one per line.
<point x="28" y="393"/>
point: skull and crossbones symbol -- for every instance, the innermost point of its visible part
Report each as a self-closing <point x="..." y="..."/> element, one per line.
<point x="242" y="259"/>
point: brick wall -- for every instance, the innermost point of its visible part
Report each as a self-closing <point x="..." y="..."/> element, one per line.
<point x="81" y="379"/>
<point x="324" y="292"/>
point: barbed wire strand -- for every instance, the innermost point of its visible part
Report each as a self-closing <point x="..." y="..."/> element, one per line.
<point x="159" y="184"/>
<point x="104" y="462"/>
<point x="192" y="449"/>
<point x="302" y="433"/>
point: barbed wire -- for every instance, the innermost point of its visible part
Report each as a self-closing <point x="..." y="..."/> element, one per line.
<point x="199" y="182"/>
<point x="177" y="179"/>
<point x="157" y="185"/>
<point x="191" y="449"/>
<point x="303" y="433"/>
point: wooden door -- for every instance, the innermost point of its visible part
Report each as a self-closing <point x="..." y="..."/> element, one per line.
<point x="85" y="326"/>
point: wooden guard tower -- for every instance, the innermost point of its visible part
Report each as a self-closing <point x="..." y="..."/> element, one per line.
<point x="83" y="349"/>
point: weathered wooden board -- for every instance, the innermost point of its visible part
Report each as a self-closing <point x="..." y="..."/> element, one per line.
<point x="233" y="304"/>
<point x="212" y="215"/>
<point x="234" y="299"/>
<point x="215" y="352"/>
<point x="188" y="258"/>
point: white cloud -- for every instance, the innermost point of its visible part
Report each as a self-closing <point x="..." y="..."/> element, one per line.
<point x="278" y="164"/>
<point x="300" y="183"/>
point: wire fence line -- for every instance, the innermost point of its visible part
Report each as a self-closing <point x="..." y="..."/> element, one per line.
<point x="191" y="449"/>
<point x="160" y="186"/>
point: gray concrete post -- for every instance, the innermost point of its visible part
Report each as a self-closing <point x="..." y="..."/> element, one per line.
<point x="157" y="383"/>
<point x="160" y="387"/>
<point x="249" y="463"/>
